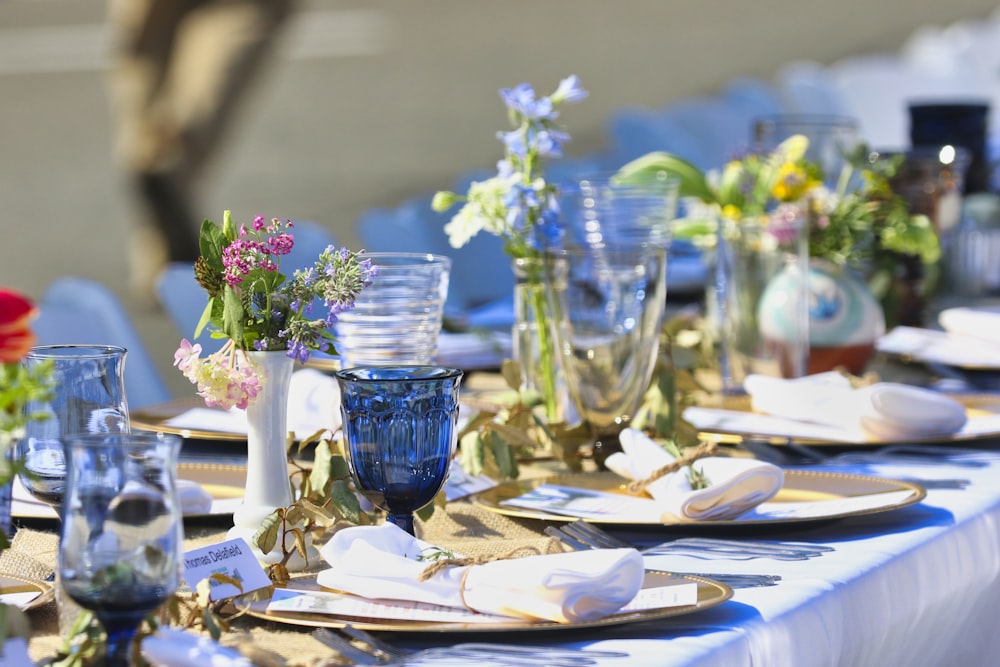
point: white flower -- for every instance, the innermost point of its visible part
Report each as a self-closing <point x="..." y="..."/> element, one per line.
<point x="485" y="209"/>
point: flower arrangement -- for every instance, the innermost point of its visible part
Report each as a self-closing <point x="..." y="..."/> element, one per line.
<point x="257" y="307"/>
<point x="18" y="385"/>
<point x="518" y="203"/>
<point x="854" y="224"/>
<point x="522" y="207"/>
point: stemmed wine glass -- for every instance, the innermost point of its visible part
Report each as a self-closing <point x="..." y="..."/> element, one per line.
<point x="607" y="291"/>
<point x="399" y="428"/>
<point x="119" y="553"/>
<point x="89" y="397"/>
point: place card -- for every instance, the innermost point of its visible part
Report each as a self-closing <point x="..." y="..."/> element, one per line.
<point x="232" y="558"/>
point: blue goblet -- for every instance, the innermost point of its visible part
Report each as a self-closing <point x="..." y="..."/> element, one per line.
<point x="400" y="433"/>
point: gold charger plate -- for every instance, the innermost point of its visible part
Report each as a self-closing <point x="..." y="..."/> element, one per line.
<point x="153" y="418"/>
<point x="223" y="481"/>
<point x="977" y="406"/>
<point x="800" y="486"/>
<point x="710" y="594"/>
<point x="40" y="592"/>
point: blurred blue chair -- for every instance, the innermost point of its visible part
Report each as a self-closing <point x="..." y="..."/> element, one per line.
<point x="184" y="299"/>
<point x="77" y="310"/>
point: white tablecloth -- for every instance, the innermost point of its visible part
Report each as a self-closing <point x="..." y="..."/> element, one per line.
<point x="916" y="586"/>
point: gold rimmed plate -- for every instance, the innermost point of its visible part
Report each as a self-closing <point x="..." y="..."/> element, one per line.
<point x="25" y="594"/>
<point x="224" y="482"/>
<point x="735" y="420"/>
<point x="710" y="594"/>
<point x="158" y="418"/>
<point x="806" y="496"/>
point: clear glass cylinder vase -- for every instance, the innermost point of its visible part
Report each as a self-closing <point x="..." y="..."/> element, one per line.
<point x="534" y="346"/>
<point x="762" y="299"/>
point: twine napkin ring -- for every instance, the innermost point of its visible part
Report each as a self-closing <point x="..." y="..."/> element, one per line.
<point x="686" y="459"/>
<point x="444" y="563"/>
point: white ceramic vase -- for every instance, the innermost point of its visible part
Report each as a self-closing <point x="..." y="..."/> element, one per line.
<point x="268" y="486"/>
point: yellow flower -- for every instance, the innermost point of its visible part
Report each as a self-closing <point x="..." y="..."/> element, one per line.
<point x="731" y="212"/>
<point x="792" y="182"/>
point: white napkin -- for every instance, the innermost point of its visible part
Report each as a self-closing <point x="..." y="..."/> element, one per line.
<point x="172" y="647"/>
<point x="381" y="562"/>
<point x="735" y="485"/>
<point x="313" y="404"/>
<point x="980" y="323"/>
<point x="193" y="498"/>
<point x="882" y="411"/>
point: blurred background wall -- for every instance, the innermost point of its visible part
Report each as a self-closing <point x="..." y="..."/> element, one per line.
<point x="372" y="101"/>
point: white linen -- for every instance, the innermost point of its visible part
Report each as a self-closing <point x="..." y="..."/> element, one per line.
<point x="172" y="647"/>
<point x="979" y="323"/>
<point x="735" y="485"/>
<point x="942" y="347"/>
<point x="313" y="405"/>
<point x="382" y="562"/>
<point x="882" y="411"/>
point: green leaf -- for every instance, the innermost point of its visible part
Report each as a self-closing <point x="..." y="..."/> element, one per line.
<point x="649" y="168"/>
<point x="267" y="535"/>
<point x="472" y="453"/>
<point x="512" y="374"/>
<point x="319" y="476"/>
<point x="206" y="317"/>
<point x="344" y="501"/>
<point x="232" y="315"/>
<point x="211" y="242"/>
<point x="503" y="454"/>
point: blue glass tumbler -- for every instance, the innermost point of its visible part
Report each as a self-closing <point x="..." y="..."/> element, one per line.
<point x="400" y="432"/>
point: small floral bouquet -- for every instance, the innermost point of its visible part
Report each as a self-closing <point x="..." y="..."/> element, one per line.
<point x="765" y="188"/>
<point x="518" y="203"/>
<point x="19" y="385"/>
<point x="257" y="307"/>
<point x="522" y="207"/>
<point x="854" y="224"/>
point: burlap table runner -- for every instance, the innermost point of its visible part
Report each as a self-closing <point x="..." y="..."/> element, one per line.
<point x="462" y="527"/>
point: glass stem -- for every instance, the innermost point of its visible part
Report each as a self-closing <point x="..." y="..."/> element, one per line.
<point x="119" y="647"/>
<point x="404" y="521"/>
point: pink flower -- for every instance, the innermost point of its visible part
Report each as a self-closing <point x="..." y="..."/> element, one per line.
<point x="186" y="354"/>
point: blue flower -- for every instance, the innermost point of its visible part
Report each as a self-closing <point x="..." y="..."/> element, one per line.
<point x="521" y="100"/>
<point x="515" y="142"/>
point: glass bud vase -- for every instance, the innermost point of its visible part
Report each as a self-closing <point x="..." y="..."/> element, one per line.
<point x="534" y="346"/>
<point x="268" y="486"/>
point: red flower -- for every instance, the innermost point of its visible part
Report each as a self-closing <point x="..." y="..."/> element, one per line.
<point x="16" y="337"/>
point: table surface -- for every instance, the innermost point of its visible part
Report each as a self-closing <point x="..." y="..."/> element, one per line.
<point x="915" y="586"/>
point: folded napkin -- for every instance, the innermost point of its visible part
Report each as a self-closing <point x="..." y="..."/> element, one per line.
<point x="882" y="411"/>
<point x="193" y="498"/>
<point x="735" y="485"/>
<point x="313" y="405"/>
<point x="313" y="402"/>
<point x="981" y="323"/>
<point x="382" y="562"/>
<point x="172" y="647"/>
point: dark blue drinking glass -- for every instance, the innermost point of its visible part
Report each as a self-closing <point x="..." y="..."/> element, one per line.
<point x="400" y="433"/>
